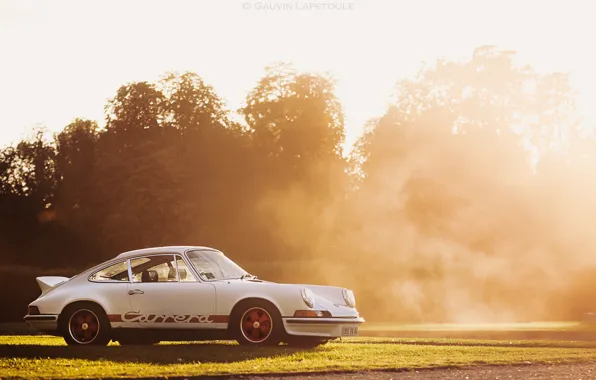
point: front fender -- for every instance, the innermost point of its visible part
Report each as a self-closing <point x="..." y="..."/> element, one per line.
<point x="287" y="299"/>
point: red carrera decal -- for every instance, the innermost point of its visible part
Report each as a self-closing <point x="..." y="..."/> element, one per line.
<point x="167" y="318"/>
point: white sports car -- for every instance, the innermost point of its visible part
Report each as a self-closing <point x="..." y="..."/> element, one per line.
<point x="187" y="293"/>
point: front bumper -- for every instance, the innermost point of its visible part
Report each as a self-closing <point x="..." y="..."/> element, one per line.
<point x="323" y="327"/>
<point x="44" y="322"/>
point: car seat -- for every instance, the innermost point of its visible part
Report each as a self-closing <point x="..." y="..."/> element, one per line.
<point x="149" y="276"/>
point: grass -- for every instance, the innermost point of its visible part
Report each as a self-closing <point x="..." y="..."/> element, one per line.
<point x="48" y="357"/>
<point x="545" y="327"/>
<point x="522" y="326"/>
<point x="517" y="331"/>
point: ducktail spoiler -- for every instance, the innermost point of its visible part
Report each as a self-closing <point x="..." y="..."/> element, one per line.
<point x="48" y="283"/>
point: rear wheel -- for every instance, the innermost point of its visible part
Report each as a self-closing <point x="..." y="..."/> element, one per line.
<point x="257" y="323"/>
<point x="85" y="324"/>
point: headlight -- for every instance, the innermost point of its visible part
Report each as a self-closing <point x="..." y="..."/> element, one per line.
<point x="308" y="297"/>
<point x="349" y="297"/>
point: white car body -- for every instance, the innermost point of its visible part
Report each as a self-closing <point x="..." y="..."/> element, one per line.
<point x="191" y="303"/>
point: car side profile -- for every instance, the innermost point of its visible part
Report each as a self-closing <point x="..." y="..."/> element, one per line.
<point x="183" y="293"/>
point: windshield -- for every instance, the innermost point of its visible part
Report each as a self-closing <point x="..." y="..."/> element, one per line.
<point x="214" y="265"/>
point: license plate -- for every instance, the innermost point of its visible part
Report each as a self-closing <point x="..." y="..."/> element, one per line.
<point x="349" y="331"/>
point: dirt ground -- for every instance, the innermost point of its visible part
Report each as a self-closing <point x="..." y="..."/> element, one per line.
<point x="583" y="371"/>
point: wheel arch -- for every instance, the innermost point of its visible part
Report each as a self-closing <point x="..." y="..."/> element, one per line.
<point x="75" y="302"/>
<point x="238" y="305"/>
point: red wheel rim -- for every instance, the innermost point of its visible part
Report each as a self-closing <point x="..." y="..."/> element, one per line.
<point x="256" y="325"/>
<point x="83" y="326"/>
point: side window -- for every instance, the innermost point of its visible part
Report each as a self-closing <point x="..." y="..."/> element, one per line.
<point x="117" y="272"/>
<point x="159" y="268"/>
<point x="185" y="274"/>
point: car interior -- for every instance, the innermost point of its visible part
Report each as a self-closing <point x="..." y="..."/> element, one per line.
<point x="155" y="269"/>
<point x="149" y="276"/>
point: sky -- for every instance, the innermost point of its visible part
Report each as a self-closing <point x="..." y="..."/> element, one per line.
<point x="63" y="59"/>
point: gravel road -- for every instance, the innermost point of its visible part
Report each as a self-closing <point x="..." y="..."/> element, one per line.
<point x="583" y="371"/>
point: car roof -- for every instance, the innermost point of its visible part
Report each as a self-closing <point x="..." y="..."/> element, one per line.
<point x="167" y="249"/>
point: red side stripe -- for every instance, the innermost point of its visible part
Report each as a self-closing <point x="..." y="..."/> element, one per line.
<point x="220" y="318"/>
<point x="114" y="318"/>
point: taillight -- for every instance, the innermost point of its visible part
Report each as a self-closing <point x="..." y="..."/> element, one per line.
<point x="33" y="310"/>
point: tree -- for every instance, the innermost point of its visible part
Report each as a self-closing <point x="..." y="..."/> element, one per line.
<point x="441" y="172"/>
<point x="35" y="169"/>
<point x="169" y="165"/>
<point x="296" y="117"/>
<point x="191" y="103"/>
<point x="76" y="156"/>
<point x="28" y="214"/>
<point x="297" y="128"/>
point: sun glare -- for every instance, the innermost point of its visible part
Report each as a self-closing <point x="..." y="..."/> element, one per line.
<point x="63" y="59"/>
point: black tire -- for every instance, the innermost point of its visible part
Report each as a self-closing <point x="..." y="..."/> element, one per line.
<point x="305" y="341"/>
<point x="85" y="323"/>
<point x="257" y="323"/>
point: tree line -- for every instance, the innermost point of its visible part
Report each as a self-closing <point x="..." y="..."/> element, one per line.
<point x="470" y="198"/>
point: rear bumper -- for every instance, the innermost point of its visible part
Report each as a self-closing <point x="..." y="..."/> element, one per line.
<point x="322" y="327"/>
<point x="44" y="322"/>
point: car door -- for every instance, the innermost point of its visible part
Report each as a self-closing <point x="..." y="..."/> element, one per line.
<point x="110" y="285"/>
<point x="165" y="294"/>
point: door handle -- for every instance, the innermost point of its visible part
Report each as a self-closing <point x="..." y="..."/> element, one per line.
<point x="135" y="291"/>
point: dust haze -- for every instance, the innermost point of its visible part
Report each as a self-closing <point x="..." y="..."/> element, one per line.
<point x="474" y="203"/>
<point x="471" y="199"/>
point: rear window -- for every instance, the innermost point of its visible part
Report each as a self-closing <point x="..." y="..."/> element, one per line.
<point x="116" y="272"/>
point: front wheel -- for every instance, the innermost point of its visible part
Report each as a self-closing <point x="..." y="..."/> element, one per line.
<point x="257" y="324"/>
<point x="85" y="324"/>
